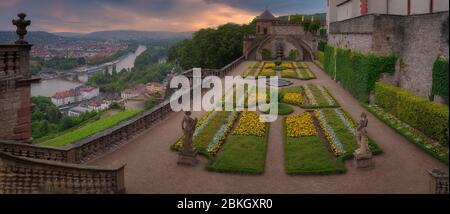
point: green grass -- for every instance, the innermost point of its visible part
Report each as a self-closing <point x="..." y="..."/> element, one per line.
<point x="309" y="155"/>
<point x="321" y="101"/>
<point x="306" y="74"/>
<point x="347" y="138"/>
<point x="241" y="154"/>
<point x="267" y="73"/>
<point x="283" y="109"/>
<point x="291" y="89"/>
<point x="205" y="136"/>
<point x="90" y="129"/>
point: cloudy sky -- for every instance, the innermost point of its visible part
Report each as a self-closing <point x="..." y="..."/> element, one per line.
<point x="150" y="15"/>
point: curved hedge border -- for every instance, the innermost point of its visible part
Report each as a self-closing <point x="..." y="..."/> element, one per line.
<point x="431" y="118"/>
<point x="440" y="78"/>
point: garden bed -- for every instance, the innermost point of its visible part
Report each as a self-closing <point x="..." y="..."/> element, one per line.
<point x="304" y="151"/>
<point x="318" y="97"/>
<point x="245" y="149"/>
<point x="304" y="73"/>
<point x="414" y="136"/>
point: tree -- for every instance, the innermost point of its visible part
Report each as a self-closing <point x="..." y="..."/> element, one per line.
<point x="150" y="103"/>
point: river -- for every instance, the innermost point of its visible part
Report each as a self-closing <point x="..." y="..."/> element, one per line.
<point x="49" y="87"/>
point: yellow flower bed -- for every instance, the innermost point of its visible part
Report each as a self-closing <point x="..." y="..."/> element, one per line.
<point x="293" y="98"/>
<point x="249" y="125"/>
<point x="301" y="125"/>
<point x="287" y="65"/>
<point x="268" y="72"/>
<point x="269" y="65"/>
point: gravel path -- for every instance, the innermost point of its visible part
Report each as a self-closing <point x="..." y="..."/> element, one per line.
<point x="151" y="166"/>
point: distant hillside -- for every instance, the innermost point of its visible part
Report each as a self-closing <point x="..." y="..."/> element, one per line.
<point x="130" y="35"/>
<point x="36" y="37"/>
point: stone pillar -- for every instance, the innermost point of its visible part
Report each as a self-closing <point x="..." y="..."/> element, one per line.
<point x="15" y="87"/>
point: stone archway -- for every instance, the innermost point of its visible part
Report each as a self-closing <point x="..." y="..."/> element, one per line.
<point x="288" y="43"/>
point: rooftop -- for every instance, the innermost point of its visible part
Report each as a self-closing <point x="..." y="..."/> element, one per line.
<point x="266" y="15"/>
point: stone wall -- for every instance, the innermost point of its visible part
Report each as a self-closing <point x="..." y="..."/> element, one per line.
<point x="417" y="40"/>
<point x="15" y="93"/>
<point x="288" y="30"/>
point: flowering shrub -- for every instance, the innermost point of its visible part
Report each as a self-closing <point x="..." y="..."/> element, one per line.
<point x="293" y="98"/>
<point x="269" y="65"/>
<point x="287" y="65"/>
<point x="249" y="125"/>
<point x="301" y="125"/>
<point x="335" y="143"/>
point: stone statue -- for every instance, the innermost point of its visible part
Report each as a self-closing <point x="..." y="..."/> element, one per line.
<point x="187" y="155"/>
<point x="21" y="25"/>
<point x="362" y="135"/>
<point x="188" y="126"/>
<point x="363" y="155"/>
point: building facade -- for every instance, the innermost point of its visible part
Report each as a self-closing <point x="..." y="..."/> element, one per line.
<point x="279" y="37"/>
<point x="414" y="31"/>
<point x="339" y="10"/>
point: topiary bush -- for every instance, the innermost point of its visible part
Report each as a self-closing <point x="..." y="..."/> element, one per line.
<point x="440" y="78"/>
<point x="431" y="118"/>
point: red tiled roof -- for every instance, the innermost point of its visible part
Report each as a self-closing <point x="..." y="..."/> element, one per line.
<point x="64" y="94"/>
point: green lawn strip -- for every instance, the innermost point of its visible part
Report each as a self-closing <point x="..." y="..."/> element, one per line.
<point x="319" y="64"/>
<point x="283" y="109"/>
<point x="306" y="74"/>
<point x="347" y="138"/>
<point x="412" y="135"/>
<point x="91" y="129"/>
<point x="309" y="155"/>
<point x="251" y="70"/>
<point x="241" y="154"/>
<point x="289" y="75"/>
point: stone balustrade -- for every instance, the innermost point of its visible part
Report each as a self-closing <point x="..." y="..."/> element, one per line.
<point x="109" y="139"/>
<point x="14" y="62"/>
<point x="20" y="175"/>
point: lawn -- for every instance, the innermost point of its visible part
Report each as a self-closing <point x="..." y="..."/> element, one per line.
<point x="290" y="74"/>
<point x="90" y="129"/>
<point x="283" y="109"/>
<point x="309" y="155"/>
<point x="251" y="70"/>
<point x="241" y="154"/>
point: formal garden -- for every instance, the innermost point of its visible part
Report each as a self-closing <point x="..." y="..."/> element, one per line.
<point x="318" y="136"/>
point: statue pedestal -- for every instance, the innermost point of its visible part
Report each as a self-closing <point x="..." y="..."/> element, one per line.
<point x="363" y="161"/>
<point x="188" y="158"/>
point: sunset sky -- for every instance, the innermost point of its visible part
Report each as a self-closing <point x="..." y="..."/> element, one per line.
<point x="148" y="15"/>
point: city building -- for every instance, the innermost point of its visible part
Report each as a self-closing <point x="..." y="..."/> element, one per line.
<point x="414" y="30"/>
<point x="129" y="93"/>
<point x="66" y="97"/>
<point x="77" y="111"/>
<point x="89" y="92"/>
<point x="96" y="105"/>
<point x="155" y="88"/>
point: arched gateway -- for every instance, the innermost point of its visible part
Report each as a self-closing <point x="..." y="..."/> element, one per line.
<point x="277" y="38"/>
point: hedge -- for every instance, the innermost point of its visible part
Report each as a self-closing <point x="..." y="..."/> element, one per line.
<point x="321" y="46"/>
<point x="431" y="118"/>
<point x="321" y="56"/>
<point x="440" y="78"/>
<point x="356" y="71"/>
<point x="328" y="62"/>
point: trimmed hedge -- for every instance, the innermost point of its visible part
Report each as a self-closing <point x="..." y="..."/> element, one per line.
<point x="328" y="62"/>
<point x="356" y="71"/>
<point x="321" y="46"/>
<point x="440" y="78"/>
<point x="321" y="57"/>
<point x="431" y="118"/>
